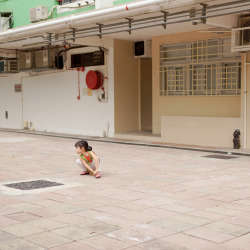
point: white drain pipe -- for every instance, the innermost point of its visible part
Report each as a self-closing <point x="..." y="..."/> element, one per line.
<point x="66" y="22"/>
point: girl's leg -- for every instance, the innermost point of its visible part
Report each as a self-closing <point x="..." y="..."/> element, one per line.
<point x="85" y="171"/>
<point x="92" y="165"/>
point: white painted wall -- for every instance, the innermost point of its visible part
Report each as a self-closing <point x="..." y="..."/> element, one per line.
<point x="10" y="101"/>
<point x="50" y="101"/>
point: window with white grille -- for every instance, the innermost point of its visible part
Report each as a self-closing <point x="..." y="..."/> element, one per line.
<point x="204" y="67"/>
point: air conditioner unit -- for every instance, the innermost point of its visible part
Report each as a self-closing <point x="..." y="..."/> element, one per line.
<point x="4" y="23"/>
<point x="45" y="58"/>
<point x="9" y="66"/>
<point x="3" y="66"/>
<point x="245" y="34"/>
<point x="13" y="65"/>
<point x="38" y="13"/>
<point x="143" y="49"/>
<point x="68" y="1"/>
<point x="99" y="4"/>
<point x="26" y="60"/>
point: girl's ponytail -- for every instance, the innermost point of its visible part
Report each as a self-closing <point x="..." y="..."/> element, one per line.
<point x="83" y="144"/>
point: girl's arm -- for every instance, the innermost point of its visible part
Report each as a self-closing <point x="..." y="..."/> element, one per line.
<point x="86" y="165"/>
<point x="96" y="161"/>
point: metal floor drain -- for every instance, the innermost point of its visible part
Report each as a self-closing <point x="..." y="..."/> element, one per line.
<point x="223" y="157"/>
<point x="30" y="185"/>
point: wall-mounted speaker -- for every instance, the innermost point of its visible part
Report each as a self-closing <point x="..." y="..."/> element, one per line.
<point x="143" y="49"/>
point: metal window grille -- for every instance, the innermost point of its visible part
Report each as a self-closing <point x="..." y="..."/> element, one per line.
<point x="204" y="67"/>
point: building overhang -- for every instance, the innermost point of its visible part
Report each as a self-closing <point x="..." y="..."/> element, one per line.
<point x="135" y="21"/>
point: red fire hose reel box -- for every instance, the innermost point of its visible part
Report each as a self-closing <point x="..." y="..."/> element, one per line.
<point x="94" y="79"/>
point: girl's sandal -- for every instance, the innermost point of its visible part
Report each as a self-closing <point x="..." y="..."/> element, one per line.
<point x="98" y="175"/>
<point x="84" y="173"/>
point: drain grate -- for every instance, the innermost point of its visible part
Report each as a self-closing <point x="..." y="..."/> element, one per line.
<point x="30" y="185"/>
<point x="223" y="157"/>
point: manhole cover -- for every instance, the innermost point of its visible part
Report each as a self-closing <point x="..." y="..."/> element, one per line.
<point x="223" y="157"/>
<point x="30" y="185"/>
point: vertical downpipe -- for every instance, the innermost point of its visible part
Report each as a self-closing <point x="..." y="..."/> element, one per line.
<point x="245" y="101"/>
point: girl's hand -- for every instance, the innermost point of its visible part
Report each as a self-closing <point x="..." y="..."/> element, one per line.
<point x="95" y="172"/>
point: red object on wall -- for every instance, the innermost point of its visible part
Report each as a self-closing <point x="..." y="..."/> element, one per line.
<point x="94" y="79"/>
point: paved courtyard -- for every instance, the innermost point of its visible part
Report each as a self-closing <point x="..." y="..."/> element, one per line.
<point x="147" y="198"/>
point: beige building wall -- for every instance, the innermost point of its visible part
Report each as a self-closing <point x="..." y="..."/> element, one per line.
<point x="146" y="94"/>
<point x="248" y="100"/>
<point x="126" y="87"/>
<point x="204" y="131"/>
<point x="195" y="106"/>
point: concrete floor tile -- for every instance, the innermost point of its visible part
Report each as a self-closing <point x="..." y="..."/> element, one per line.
<point x="19" y="244"/>
<point x="241" y="220"/>
<point x="74" y="233"/>
<point x="242" y="202"/>
<point x="133" y="215"/>
<point x="190" y="219"/>
<point x="160" y="244"/>
<point x="21" y="230"/>
<point x="172" y="225"/>
<point x="5" y="221"/>
<point x="22" y="217"/>
<point x="73" y="246"/>
<point x="235" y="206"/>
<point x="46" y="224"/>
<point x="129" y="237"/>
<point x="228" y="228"/>
<point x="6" y="236"/>
<point x="177" y="208"/>
<point x="147" y="202"/>
<point x="107" y="218"/>
<point x="43" y="212"/>
<point x="59" y="206"/>
<point x="131" y="205"/>
<point x="160" y="213"/>
<point x="189" y="242"/>
<point x="98" y="227"/>
<point x="222" y="210"/>
<point x="70" y="219"/>
<point x="208" y="215"/>
<point x="47" y="239"/>
<point x="153" y="231"/>
<point x="208" y="234"/>
<point x="25" y="206"/>
<point x="4" y="210"/>
<point x="199" y="203"/>
<point x="239" y="243"/>
<point x="134" y="248"/>
<point x="8" y="201"/>
<point x="104" y="243"/>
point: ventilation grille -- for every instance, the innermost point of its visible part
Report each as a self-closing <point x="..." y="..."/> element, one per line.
<point x="222" y="157"/>
<point x="30" y="185"/>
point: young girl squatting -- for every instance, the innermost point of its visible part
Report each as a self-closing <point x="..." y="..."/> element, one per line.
<point x="88" y="160"/>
